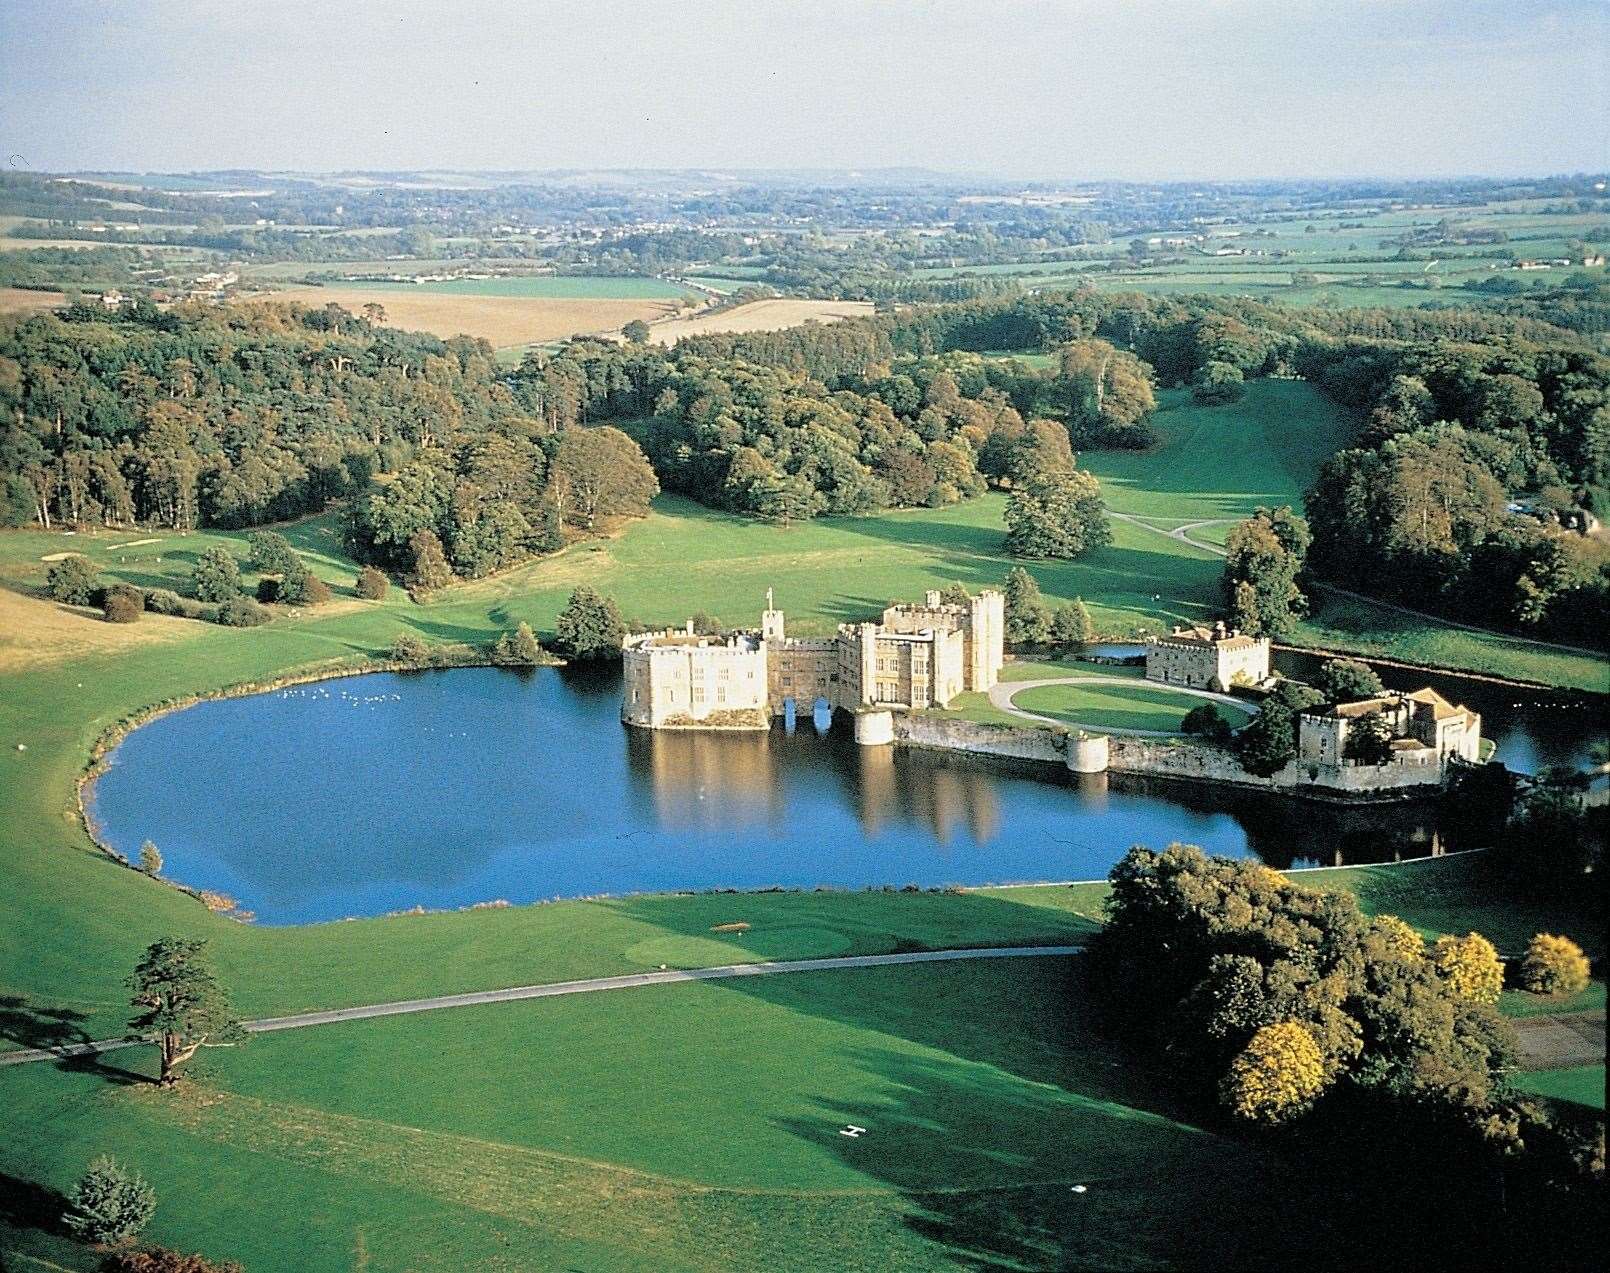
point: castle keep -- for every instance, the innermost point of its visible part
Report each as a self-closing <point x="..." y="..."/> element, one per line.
<point x="915" y="656"/>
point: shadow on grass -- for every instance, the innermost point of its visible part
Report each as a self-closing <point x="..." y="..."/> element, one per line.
<point x="27" y="1205"/>
<point x="25" y="1024"/>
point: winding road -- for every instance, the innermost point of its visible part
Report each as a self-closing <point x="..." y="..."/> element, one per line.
<point x="626" y="981"/>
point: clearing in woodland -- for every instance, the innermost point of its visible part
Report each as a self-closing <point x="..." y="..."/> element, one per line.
<point x="503" y="321"/>
<point x="758" y="316"/>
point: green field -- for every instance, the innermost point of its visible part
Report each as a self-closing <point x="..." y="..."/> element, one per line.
<point x="603" y="1132"/>
<point x="1119" y="705"/>
<point x="539" y="286"/>
<point x="1583" y="1085"/>
<point x="1223" y="462"/>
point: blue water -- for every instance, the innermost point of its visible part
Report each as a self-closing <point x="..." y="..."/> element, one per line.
<point x="442" y="789"/>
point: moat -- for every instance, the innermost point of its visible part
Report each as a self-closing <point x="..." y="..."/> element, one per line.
<point x="380" y="793"/>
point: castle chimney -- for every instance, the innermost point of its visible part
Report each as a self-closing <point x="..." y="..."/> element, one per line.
<point x="931" y="598"/>
<point x="1218" y="630"/>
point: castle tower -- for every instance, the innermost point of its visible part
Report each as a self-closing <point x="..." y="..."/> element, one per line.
<point x="771" y="622"/>
<point x="986" y="638"/>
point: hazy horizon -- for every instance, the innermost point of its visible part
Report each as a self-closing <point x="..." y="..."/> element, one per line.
<point x="1218" y="90"/>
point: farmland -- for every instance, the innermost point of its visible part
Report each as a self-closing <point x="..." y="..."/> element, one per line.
<point x="20" y="300"/>
<point x="503" y="320"/>
<point x="758" y="316"/>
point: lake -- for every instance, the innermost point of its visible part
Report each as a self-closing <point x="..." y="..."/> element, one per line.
<point x="372" y="794"/>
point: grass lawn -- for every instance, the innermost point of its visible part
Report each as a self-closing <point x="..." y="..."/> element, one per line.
<point x="1521" y="1003"/>
<point x="1122" y="704"/>
<point x="603" y="1132"/>
<point x="1223" y="462"/>
<point x="1583" y="1085"/>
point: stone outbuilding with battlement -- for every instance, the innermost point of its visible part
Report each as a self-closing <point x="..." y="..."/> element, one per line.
<point x="1216" y="658"/>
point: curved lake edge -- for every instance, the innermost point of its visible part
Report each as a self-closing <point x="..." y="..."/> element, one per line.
<point x="102" y="750"/>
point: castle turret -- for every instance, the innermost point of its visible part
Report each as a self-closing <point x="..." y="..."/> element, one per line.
<point x="771" y="622"/>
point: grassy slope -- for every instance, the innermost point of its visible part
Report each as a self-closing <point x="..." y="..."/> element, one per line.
<point x="620" y="1144"/>
<point x="1583" y="1085"/>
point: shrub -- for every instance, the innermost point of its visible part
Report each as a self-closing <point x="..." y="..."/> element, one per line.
<point x="409" y="647"/>
<point x="71" y="580"/>
<point x="123" y="603"/>
<point x="1399" y="937"/>
<point x="242" y="612"/>
<point x="109" y="1204"/>
<point x="1554" y="966"/>
<point x="518" y="648"/>
<point x="150" y="859"/>
<point x="372" y="584"/>
<point x="216" y="576"/>
<point x="166" y="601"/>
<point x="301" y="587"/>
<point x="271" y="553"/>
<point x="1277" y="1075"/>
<point x="1206" y="721"/>
<point x="1471" y="967"/>
<point x="590" y="626"/>
<point x="159" y="1259"/>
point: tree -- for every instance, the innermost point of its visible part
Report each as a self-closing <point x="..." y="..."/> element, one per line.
<point x="1218" y="384"/>
<point x="1399" y="937"/>
<point x="1269" y="743"/>
<point x="518" y="648"/>
<point x="1206" y="721"/>
<point x="180" y="1004"/>
<point x="1071" y="626"/>
<point x="430" y="569"/>
<point x="1369" y="740"/>
<point x="123" y="603"/>
<point x="1348" y="681"/>
<point x="301" y="587"/>
<point x="590" y="627"/>
<point x="242" y="612"/>
<point x="1056" y="514"/>
<point x="1028" y="618"/>
<point x="216" y="576"/>
<point x="605" y="473"/>
<point x="1470" y="966"/>
<point x="1554" y="966"/>
<point x="1277" y="1075"/>
<point x="636" y="331"/>
<point x="955" y="594"/>
<point x="108" y="1203"/>
<point x="150" y="859"/>
<point x="371" y="584"/>
<point x="270" y="553"/>
<point x="72" y="580"/>
<point x="1264" y="557"/>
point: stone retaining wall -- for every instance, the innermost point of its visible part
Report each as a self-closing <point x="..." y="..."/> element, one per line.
<point x="1028" y="743"/>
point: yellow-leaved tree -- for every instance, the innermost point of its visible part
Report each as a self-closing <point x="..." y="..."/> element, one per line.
<point x="1554" y="966"/>
<point x="1400" y="937"/>
<point x="1471" y="966"/>
<point x="1277" y="1075"/>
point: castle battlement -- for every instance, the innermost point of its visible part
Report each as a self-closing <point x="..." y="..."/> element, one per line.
<point x="915" y="656"/>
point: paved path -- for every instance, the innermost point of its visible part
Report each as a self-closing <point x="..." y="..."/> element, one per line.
<point x="627" y="981"/>
<point x="1002" y="693"/>
<point x="1179" y="532"/>
<point x="1561" y="1042"/>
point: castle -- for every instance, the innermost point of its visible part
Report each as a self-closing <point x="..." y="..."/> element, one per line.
<point x="915" y="656"/>
<point x="1208" y="658"/>
<point x="1425" y="730"/>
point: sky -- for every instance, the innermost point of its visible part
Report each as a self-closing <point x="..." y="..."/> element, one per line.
<point x="1081" y="89"/>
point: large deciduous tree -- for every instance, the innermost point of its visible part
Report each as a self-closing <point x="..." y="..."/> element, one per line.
<point x="1265" y="555"/>
<point x="1057" y="513"/>
<point x="589" y="627"/>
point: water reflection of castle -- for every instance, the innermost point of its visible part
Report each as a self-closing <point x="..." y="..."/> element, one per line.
<point x="701" y="779"/>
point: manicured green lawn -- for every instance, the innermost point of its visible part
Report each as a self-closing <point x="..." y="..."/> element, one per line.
<point x="1216" y="462"/>
<point x="1583" y="1085"/>
<point x="1118" y="704"/>
<point x="608" y="1131"/>
<point x="1520" y="1003"/>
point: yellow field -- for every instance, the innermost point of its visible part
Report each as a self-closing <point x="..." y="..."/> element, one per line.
<point x="35" y="631"/>
<point x="759" y="316"/>
<point x="19" y="300"/>
<point x="502" y="320"/>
